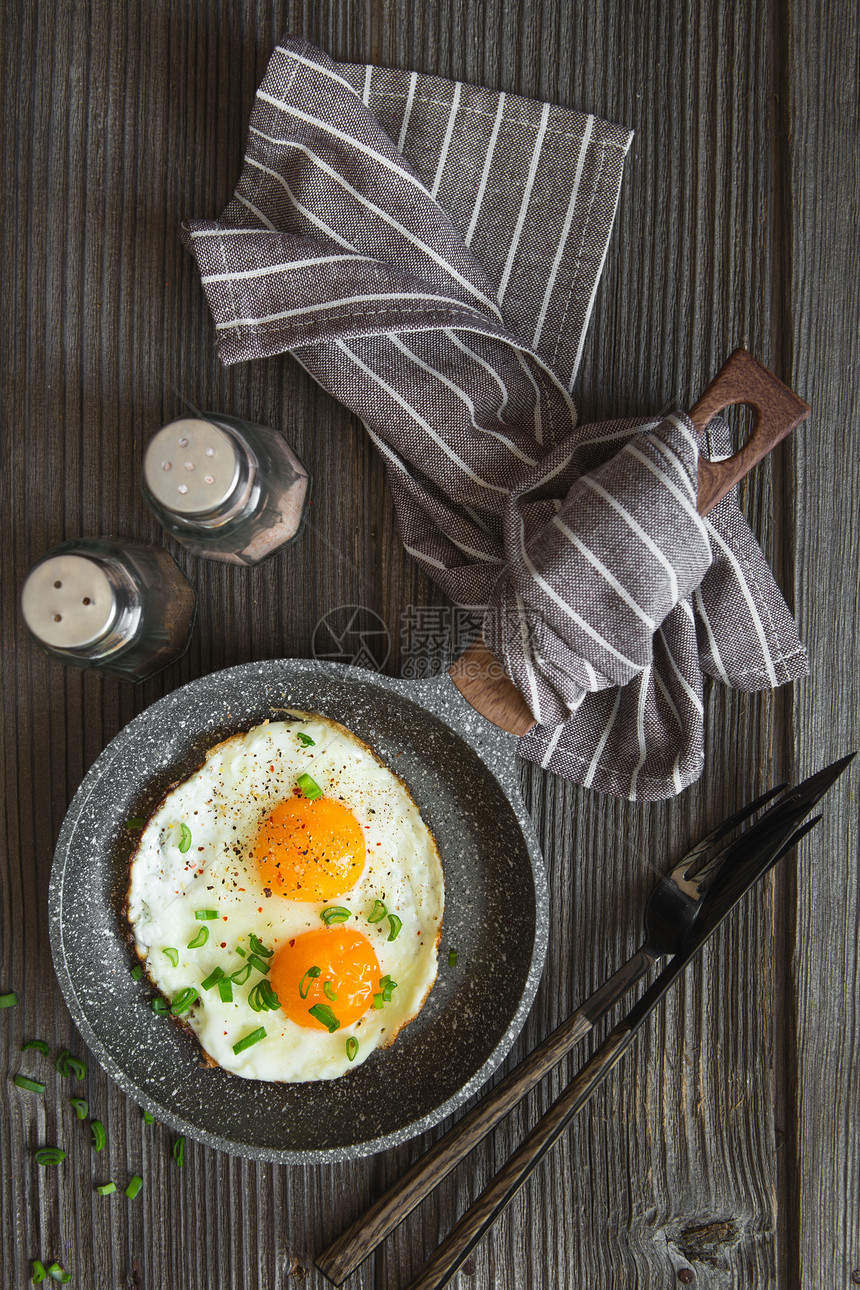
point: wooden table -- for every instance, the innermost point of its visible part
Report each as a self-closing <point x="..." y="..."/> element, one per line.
<point x="727" y="1149"/>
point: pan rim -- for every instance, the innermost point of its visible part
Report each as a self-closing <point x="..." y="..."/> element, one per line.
<point x="439" y="697"/>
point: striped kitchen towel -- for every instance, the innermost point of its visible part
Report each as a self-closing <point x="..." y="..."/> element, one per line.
<point x="430" y="252"/>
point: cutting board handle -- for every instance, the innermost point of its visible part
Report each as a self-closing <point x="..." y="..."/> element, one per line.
<point x="478" y="674"/>
<point x="778" y="411"/>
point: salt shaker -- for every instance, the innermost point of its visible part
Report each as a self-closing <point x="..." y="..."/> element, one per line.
<point x="225" y="488"/>
<point x="106" y="603"/>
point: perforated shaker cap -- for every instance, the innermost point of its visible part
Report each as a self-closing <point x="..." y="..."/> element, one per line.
<point x="68" y="601"/>
<point x="191" y="466"/>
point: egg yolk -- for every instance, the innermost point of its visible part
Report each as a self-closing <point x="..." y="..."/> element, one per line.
<point x="310" y="850"/>
<point x="347" y="963"/>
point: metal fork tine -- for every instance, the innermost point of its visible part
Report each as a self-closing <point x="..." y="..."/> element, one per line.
<point x="796" y="837"/>
<point x="696" y="853"/>
<point x="756" y="850"/>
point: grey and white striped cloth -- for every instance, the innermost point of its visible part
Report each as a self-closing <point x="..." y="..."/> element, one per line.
<point x="430" y="252"/>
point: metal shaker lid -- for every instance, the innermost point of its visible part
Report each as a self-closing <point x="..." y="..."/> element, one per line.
<point x="191" y="466"/>
<point x="68" y="601"/>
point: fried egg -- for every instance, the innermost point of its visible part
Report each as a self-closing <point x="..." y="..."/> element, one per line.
<point x="289" y="886"/>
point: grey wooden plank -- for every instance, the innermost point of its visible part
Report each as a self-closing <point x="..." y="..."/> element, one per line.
<point x="688" y="277"/>
<point x="824" y="1043"/>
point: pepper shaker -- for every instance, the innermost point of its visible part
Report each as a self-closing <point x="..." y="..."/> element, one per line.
<point x="122" y="607"/>
<point x="225" y="488"/>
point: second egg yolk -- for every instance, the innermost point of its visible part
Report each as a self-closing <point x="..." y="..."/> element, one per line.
<point x="310" y="850"/>
<point x="345" y="971"/>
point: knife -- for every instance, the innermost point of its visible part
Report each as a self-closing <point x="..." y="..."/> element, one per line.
<point x="776" y="833"/>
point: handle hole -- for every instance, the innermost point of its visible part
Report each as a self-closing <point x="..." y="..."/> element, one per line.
<point x="741" y="420"/>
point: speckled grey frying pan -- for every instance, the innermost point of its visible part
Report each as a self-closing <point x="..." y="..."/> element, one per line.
<point x="462" y="773"/>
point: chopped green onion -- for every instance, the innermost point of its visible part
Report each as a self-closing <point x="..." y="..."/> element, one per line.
<point x="137" y="973"/>
<point x="183" y="1001"/>
<point x="39" y="1044"/>
<point x="305" y="740"/>
<point x="200" y="939"/>
<point x="253" y="1038"/>
<point x="159" y="1006"/>
<point x="31" y="1085"/>
<point x="136" y="822"/>
<point x="324" y="1014"/>
<point x="242" y="975"/>
<point x="58" y="1274"/>
<point x="452" y="958"/>
<point x="106" y="1189"/>
<point x="8" y="1000"/>
<point x="81" y="1108"/>
<point x="179" y="1150"/>
<point x="172" y="954"/>
<point x="70" y="1067"/>
<point x="388" y="989"/>
<point x="334" y="914"/>
<point x="225" y="990"/>
<point x="216" y="975"/>
<point x="309" y="787"/>
<point x="378" y="912"/>
<point x="261" y="965"/>
<point x="396" y="925"/>
<point x="239" y="950"/>
<point x="313" y="973"/>
<point x="185" y="839"/>
<point x="49" y="1156"/>
<point x="39" y="1272"/>
<point x="135" y="1183"/>
<point x="328" y="991"/>
<point x="259" y="948"/>
<point x="263" y="998"/>
<point x="147" y="1118"/>
<point x="378" y="1001"/>
<point x="351" y="1048"/>
<point x="205" y="915"/>
<point x="97" y="1129"/>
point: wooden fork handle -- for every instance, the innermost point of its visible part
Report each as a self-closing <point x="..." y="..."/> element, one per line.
<point x="778" y="411"/>
<point x="478" y="674"/>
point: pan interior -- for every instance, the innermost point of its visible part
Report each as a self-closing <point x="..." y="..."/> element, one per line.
<point x="490" y="920"/>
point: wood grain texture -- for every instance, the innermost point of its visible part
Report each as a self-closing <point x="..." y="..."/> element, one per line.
<point x="119" y="120"/>
<point x="822" y="935"/>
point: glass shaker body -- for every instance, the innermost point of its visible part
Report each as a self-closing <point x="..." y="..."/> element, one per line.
<point x="225" y="488"/>
<point x="122" y="607"/>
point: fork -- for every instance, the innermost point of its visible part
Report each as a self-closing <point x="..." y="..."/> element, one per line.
<point x="671" y="911"/>
<point x="754" y="854"/>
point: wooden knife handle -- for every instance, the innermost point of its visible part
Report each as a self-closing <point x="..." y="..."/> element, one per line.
<point x="480" y="677"/>
<point x="481" y="1215"/>
<point x="778" y="410"/>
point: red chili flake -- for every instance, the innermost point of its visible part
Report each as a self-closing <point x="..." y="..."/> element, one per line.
<point x="223" y="945"/>
<point x="260" y="910"/>
<point x="225" y="918"/>
<point x="272" y="769"/>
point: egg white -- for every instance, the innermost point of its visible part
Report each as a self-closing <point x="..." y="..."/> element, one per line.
<point x="223" y="804"/>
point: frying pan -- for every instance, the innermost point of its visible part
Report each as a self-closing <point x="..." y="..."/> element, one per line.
<point x="462" y="773"/>
<point x="461" y="770"/>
